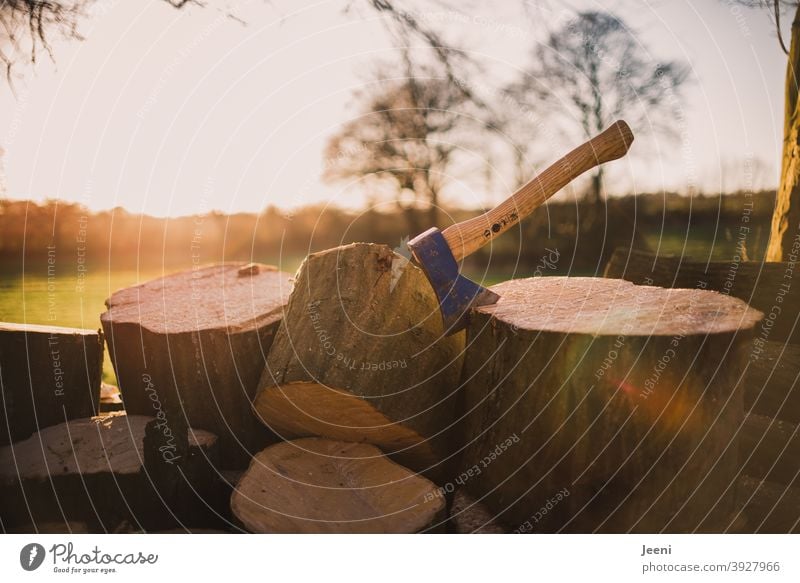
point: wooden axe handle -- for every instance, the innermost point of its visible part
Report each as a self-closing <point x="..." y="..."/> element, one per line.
<point x="467" y="237"/>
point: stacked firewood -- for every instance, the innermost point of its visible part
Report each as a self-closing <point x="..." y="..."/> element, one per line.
<point x="334" y="402"/>
<point x="767" y="485"/>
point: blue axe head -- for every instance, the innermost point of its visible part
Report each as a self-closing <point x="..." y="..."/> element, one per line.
<point x="456" y="293"/>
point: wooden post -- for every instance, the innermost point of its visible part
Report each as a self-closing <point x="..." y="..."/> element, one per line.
<point x="597" y="405"/>
<point x="360" y="356"/>
<point x="189" y="349"/>
<point x="48" y="375"/>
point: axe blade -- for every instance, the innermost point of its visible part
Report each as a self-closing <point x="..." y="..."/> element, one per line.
<point x="456" y="293"/>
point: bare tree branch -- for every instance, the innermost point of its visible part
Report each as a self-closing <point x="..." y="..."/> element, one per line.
<point x="403" y="140"/>
<point x="593" y="70"/>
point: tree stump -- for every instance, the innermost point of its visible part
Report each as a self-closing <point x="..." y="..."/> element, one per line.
<point x="767" y="287"/>
<point x="48" y="375"/>
<point x="190" y="348"/>
<point x="361" y="356"/>
<point x="598" y="405"/>
<point x="91" y="471"/>
<point x="317" y="485"/>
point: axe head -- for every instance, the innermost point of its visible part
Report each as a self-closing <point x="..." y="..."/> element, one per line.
<point x="456" y="293"/>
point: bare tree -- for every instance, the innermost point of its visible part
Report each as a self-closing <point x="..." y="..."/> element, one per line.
<point x="26" y="26"/>
<point x="593" y="70"/>
<point x="403" y="139"/>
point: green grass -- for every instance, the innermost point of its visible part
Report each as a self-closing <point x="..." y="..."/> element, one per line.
<point x="26" y="299"/>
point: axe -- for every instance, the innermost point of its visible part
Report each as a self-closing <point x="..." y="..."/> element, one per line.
<point x="438" y="252"/>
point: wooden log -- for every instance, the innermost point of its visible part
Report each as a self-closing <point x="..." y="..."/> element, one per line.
<point x="316" y="485"/>
<point x="768" y="287"/>
<point x="110" y="399"/>
<point x="774" y="366"/>
<point x="91" y="471"/>
<point x="769" y="507"/>
<point x="48" y="375"/>
<point x="469" y="516"/>
<point x="51" y="528"/>
<point x="772" y="381"/>
<point x="191" y="348"/>
<point x="597" y="405"/>
<point x="769" y="449"/>
<point x="360" y="356"/>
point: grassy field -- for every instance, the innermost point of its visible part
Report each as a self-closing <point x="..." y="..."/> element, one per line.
<point x="27" y="299"/>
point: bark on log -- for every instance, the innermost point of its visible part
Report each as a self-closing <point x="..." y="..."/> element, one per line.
<point x="48" y="375"/>
<point x="91" y="471"/>
<point x="190" y="348"/>
<point x="51" y="528"/>
<point x="769" y="507"/>
<point x="768" y="287"/>
<point x="360" y="356"/>
<point x="769" y="449"/>
<point x="597" y="405"/>
<point x="316" y="485"/>
<point x="772" y="381"/>
<point x="468" y="516"/>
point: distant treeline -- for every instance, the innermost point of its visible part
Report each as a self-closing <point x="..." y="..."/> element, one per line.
<point x="561" y="237"/>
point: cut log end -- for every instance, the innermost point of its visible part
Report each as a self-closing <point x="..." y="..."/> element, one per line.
<point x="107" y="443"/>
<point x="308" y="409"/>
<point x="353" y="486"/>
<point x="235" y="296"/>
<point x="94" y="471"/>
<point x="602" y="307"/>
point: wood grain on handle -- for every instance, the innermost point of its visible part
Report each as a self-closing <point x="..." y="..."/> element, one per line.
<point x="467" y="237"/>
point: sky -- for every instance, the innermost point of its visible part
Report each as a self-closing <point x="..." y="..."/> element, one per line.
<point x="174" y="112"/>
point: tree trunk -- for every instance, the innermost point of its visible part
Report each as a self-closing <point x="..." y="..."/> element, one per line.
<point x="786" y="217"/>
<point x="433" y="210"/>
<point x="90" y="471"/>
<point x="597" y="186"/>
<point x="360" y="356"/>
<point x="597" y="405"/>
<point x="190" y="348"/>
<point x="316" y="485"/>
<point x="48" y="375"/>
